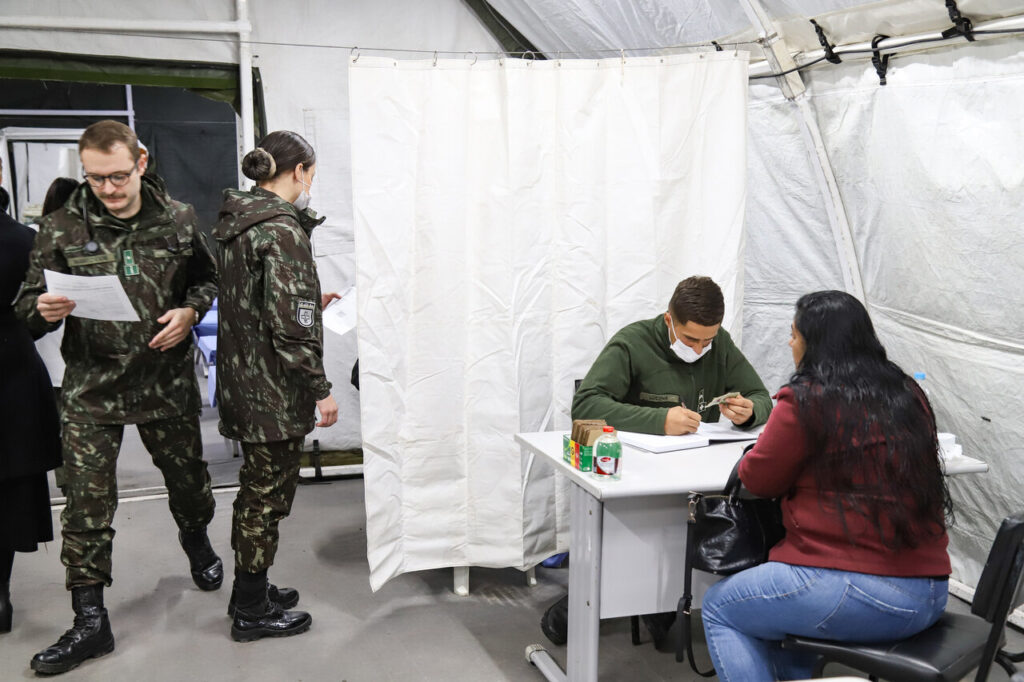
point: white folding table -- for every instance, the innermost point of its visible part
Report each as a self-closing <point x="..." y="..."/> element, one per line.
<point x="628" y="537"/>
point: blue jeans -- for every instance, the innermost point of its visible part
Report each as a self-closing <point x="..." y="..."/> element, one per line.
<point x="747" y="615"/>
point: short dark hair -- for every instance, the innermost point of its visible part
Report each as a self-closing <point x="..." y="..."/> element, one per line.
<point x="279" y="152"/>
<point x="103" y="135"/>
<point x="58" y="193"/>
<point x="697" y="299"/>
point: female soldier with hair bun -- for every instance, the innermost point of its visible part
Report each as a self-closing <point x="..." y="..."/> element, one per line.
<point x="270" y="366"/>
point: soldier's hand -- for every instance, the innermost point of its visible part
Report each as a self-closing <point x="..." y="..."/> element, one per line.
<point x="737" y="410"/>
<point x="54" y="308"/>
<point x="680" y="420"/>
<point x="325" y="299"/>
<point x="179" y="323"/>
<point x="328" y="411"/>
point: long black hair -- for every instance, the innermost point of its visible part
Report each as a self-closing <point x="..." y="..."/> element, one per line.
<point x="876" y="447"/>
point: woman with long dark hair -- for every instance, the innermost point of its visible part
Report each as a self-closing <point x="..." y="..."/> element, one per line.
<point x="852" y="450"/>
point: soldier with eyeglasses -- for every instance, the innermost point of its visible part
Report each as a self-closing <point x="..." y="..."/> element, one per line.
<point x="121" y="222"/>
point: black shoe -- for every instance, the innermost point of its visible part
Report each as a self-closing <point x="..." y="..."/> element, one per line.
<point x="274" y="621"/>
<point x="90" y="637"/>
<point x="555" y="622"/>
<point x="6" y="610"/>
<point x="285" y="597"/>
<point x="658" y="624"/>
<point x="206" y="567"/>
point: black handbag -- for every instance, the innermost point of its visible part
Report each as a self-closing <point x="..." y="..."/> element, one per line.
<point x="725" y="534"/>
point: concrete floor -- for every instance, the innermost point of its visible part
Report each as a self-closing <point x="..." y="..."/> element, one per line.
<point x="414" y="628"/>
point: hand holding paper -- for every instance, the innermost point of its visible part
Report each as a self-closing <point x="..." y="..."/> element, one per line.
<point x="54" y="308"/>
<point x="97" y="298"/>
<point x="340" y="314"/>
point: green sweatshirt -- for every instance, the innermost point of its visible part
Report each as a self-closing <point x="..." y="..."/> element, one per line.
<point x="637" y="378"/>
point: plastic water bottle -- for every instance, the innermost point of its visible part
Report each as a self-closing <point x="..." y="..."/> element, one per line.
<point x="919" y="377"/>
<point x="608" y="455"/>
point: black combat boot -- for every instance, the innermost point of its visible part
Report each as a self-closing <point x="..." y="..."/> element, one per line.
<point x="285" y="597"/>
<point x="256" y="616"/>
<point x="89" y="637"/>
<point x="207" y="569"/>
<point x="6" y="612"/>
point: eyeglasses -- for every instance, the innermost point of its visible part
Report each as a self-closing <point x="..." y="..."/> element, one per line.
<point x="116" y="179"/>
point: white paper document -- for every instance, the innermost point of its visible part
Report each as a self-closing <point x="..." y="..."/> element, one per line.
<point x="97" y="298"/>
<point x="654" y="443"/>
<point x="726" y="430"/>
<point x="340" y="314"/>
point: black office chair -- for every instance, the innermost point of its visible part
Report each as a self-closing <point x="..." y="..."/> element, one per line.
<point x="957" y="643"/>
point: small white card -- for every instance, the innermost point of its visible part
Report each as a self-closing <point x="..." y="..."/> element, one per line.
<point x="340" y="314"/>
<point x="97" y="298"/>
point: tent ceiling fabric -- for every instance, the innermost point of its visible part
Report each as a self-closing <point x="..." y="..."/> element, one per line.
<point x="585" y="26"/>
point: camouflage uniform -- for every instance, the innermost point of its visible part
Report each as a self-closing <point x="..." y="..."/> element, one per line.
<point x="269" y="358"/>
<point x="113" y="378"/>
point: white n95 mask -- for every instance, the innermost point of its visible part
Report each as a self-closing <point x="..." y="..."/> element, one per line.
<point x="684" y="352"/>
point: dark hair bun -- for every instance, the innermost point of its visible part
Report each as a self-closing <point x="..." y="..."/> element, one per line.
<point x="259" y="165"/>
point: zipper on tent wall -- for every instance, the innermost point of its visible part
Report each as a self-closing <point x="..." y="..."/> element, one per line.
<point x="793" y="88"/>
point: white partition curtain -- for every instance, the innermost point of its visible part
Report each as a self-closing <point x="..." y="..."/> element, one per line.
<point x="510" y="216"/>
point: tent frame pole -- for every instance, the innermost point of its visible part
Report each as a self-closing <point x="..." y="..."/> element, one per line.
<point x="893" y="44"/>
<point x="777" y="56"/>
<point x="247" y="134"/>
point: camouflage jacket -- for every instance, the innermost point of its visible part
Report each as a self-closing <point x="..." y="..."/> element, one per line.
<point x="163" y="262"/>
<point x="270" y="369"/>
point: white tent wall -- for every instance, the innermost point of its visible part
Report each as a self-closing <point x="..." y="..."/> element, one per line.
<point x="305" y="90"/>
<point x="933" y="195"/>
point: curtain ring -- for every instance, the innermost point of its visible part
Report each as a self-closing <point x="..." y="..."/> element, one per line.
<point x="354" y="51"/>
<point x="474" y="57"/>
<point x="435" y="57"/>
<point x="558" y="58"/>
<point x="622" y="53"/>
<point x="532" y="56"/>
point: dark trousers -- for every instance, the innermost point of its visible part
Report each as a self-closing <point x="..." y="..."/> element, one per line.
<point x="90" y="472"/>
<point x="267" y="481"/>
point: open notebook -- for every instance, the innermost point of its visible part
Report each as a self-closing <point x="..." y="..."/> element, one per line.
<point x="705" y="434"/>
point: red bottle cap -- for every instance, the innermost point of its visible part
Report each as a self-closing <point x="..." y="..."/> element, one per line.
<point x="609" y="429"/>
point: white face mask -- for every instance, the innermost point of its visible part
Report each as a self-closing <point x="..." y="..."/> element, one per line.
<point x="302" y="201"/>
<point x="684" y="352"/>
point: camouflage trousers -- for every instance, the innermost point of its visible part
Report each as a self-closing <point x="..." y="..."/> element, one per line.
<point x="90" y="472"/>
<point x="267" y="481"/>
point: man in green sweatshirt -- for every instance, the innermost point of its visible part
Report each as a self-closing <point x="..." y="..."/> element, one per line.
<point x="658" y="376"/>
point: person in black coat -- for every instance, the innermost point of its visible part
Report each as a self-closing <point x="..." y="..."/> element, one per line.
<point x="30" y="434"/>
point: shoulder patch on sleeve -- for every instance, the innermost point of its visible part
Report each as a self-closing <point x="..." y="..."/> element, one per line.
<point x="304" y="312"/>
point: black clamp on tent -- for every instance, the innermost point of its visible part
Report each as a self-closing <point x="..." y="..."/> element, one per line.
<point x="880" y="61"/>
<point x="823" y="39"/>
<point x="718" y="48"/>
<point x="961" y="24"/>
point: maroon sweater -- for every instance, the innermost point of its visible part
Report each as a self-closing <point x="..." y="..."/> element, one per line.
<point x="777" y="465"/>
